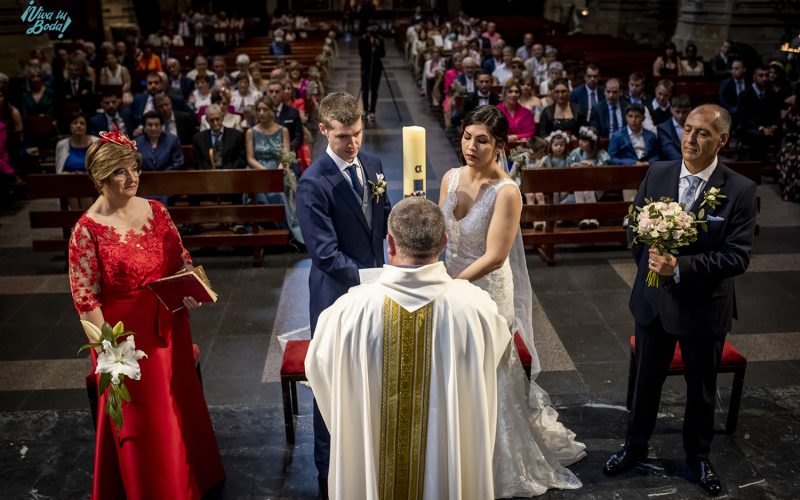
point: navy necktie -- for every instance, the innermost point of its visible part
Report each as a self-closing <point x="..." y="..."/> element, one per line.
<point x="354" y="180"/>
<point x="614" y="120"/>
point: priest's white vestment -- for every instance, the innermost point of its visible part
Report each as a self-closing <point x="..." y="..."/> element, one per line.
<point x="454" y="352"/>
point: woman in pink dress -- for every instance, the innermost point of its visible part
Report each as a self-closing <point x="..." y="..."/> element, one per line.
<point x="166" y="448"/>
<point x="521" y="125"/>
<point x="449" y="77"/>
<point x="10" y="134"/>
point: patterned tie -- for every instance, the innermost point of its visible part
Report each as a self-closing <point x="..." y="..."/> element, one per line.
<point x="217" y="145"/>
<point x="355" y="181"/>
<point x="120" y="124"/>
<point x="614" y="120"/>
<point x="691" y="191"/>
<point x="592" y="103"/>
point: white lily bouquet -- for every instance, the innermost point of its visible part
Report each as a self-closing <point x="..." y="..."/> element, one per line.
<point x="664" y="225"/>
<point x="118" y="359"/>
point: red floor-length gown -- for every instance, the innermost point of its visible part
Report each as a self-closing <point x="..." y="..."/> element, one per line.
<point x="168" y="449"/>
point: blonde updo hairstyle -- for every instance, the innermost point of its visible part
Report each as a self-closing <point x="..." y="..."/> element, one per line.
<point x="103" y="158"/>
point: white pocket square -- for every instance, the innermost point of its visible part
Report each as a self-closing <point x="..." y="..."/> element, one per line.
<point x="714" y="218"/>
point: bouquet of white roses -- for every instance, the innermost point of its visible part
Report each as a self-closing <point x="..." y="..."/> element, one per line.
<point x="287" y="159"/>
<point x="117" y="360"/>
<point x="665" y="226"/>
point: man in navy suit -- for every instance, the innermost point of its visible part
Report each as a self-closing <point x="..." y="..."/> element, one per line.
<point x="609" y="116"/>
<point x="496" y="59"/>
<point x="179" y="123"/>
<point x="659" y="106"/>
<point x="343" y="224"/>
<point x="145" y="101"/>
<point x="731" y="88"/>
<point x="112" y="115"/>
<point x="671" y="131"/>
<point x="633" y="145"/>
<point x="589" y="94"/>
<point x="76" y="88"/>
<point x="695" y="304"/>
<point x="467" y="78"/>
<point x="177" y="83"/>
<point x="286" y="115"/>
<point x="759" y="117"/>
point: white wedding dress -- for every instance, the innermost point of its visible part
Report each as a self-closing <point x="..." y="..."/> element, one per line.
<point x="531" y="448"/>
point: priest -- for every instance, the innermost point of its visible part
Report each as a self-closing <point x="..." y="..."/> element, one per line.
<point x="404" y="373"/>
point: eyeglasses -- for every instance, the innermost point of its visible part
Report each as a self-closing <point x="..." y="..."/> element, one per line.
<point x="121" y="172"/>
<point x="516" y="66"/>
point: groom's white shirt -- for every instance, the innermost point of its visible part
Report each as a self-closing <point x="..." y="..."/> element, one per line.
<point x="344" y="368"/>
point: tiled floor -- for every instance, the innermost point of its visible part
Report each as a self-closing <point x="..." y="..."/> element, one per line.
<point x="582" y="321"/>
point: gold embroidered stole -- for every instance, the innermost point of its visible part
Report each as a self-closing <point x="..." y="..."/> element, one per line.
<point x="406" y="380"/>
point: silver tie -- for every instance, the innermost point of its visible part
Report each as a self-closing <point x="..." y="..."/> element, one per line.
<point x="691" y="191"/>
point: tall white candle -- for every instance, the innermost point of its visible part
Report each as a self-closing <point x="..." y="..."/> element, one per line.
<point x="413" y="161"/>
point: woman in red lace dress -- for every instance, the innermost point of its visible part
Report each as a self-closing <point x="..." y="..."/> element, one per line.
<point x="166" y="448"/>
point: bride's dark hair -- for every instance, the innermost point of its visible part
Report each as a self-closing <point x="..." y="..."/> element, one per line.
<point x="493" y="118"/>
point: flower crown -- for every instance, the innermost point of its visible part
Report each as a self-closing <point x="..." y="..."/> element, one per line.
<point x="557" y="133"/>
<point x="117" y="137"/>
<point x="587" y="133"/>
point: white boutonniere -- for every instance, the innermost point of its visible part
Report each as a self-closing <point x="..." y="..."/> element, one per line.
<point x="712" y="197"/>
<point x="378" y="187"/>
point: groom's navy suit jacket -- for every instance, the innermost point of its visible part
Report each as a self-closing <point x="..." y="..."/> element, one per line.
<point x="335" y="230"/>
<point x="702" y="302"/>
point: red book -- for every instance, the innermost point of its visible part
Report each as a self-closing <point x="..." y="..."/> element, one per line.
<point x="172" y="289"/>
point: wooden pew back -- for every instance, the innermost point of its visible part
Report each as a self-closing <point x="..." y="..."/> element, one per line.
<point x="184" y="182"/>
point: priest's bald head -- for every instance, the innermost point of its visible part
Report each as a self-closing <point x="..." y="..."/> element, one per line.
<point x="416" y="232"/>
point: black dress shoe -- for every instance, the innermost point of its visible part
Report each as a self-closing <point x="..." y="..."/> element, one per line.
<point x="624" y="460"/>
<point x="706" y="476"/>
<point x="323" y="488"/>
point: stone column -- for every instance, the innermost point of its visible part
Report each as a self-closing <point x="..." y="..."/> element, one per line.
<point x="761" y="24"/>
<point x="117" y="13"/>
<point x="645" y="21"/>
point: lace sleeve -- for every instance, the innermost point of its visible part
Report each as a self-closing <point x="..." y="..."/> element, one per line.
<point x="162" y="210"/>
<point x="84" y="270"/>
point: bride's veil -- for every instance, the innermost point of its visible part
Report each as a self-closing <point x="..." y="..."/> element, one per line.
<point x="523" y="301"/>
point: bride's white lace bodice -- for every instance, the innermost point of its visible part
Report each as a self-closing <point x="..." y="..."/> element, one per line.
<point x="467" y="242"/>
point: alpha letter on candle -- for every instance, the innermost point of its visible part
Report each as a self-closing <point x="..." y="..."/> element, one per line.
<point x="413" y="161"/>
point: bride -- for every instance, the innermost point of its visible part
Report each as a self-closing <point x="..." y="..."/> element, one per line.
<point x="482" y="207"/>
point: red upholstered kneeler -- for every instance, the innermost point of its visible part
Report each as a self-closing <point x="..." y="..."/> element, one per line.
<point x="524" y="354"/>
<point x="91" y="383"/>
<point x="292" y="371"/>
<point x="732" y="362"/>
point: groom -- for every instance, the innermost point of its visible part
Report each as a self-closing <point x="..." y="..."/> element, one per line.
<point x="696" y="302"/>
<point x="343" y="225"/>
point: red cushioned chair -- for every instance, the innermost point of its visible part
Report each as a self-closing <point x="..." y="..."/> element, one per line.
<point x="732" y="362"/>
<point x="293" y="370"/>
<point x="91" y="383"/>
